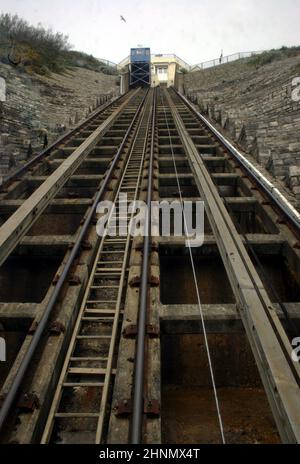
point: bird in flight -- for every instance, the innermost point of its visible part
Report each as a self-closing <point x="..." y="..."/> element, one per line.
<point x="122" y="18"/>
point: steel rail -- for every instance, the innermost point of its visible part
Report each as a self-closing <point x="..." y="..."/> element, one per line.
<point x="265" y="278"/>
<point x="203" y="326"/>
<point x="222" y="139"/>
<point x="138" y="392"/>
<point x="269" y="342"/>
<point x="285" y="206"/>
<point x="58" y="141"/>
<point x="125" y="264"/>
<point x="105" y="392"/>
<point x="18" y="380"/>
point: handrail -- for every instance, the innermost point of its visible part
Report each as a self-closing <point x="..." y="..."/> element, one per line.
<point x="108" y="63"/>
<point x="199" y="66"/>
<point x="224" y="60"/>
<point x="182" y="63"/>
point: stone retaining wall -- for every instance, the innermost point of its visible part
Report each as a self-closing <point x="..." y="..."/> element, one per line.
<point x="36" y="106"/>
<point x="255" y="106"/>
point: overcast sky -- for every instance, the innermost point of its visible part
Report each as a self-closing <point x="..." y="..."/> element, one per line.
<point x="196" y="30"/>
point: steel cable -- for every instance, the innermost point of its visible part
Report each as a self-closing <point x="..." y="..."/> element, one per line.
<point x="197" y="289"/>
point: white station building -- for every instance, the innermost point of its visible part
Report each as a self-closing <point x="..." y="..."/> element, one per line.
<point x="163" y="68"/>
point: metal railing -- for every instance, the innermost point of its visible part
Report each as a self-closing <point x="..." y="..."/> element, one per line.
<point x="167" y="56"/>
<point x="108" y="63"/>
<point x="124" y="62"/>
<point x="173" y="56"/>
<point x="199" y="66"/>
<point x="224" y="60"/>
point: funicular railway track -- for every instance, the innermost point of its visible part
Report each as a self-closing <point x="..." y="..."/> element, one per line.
<point x="122" y="122"/>
<point x="98" y="324"/>
<point x="269" y="341"/>
<point x="146" y="144"/>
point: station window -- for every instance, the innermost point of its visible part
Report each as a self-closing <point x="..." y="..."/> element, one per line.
<point x="162" y="69"/>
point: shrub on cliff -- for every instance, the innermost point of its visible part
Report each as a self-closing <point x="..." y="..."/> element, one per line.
<point x="41" y="50"/>
<point x="273" y="55"/>
<point x="34" y="47"/>
<point x="83" y="60"/>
